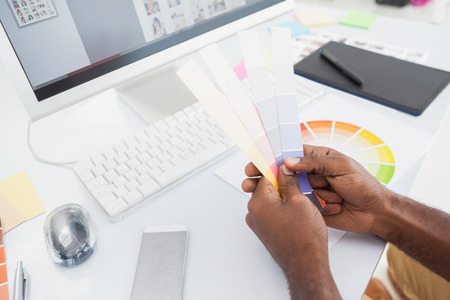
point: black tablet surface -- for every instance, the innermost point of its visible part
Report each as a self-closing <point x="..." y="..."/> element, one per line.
<point x="400" y="84"/>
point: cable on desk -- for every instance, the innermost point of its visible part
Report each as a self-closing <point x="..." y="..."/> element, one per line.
<point x="43" y="160"/>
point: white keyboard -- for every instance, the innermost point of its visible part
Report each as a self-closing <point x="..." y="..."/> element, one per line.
<point x="307" y="91"/>
<point x="132" y="172"/>
<point x="136" y="170"/>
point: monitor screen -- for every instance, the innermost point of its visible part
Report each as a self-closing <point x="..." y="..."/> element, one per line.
<point x="64" y="44"/>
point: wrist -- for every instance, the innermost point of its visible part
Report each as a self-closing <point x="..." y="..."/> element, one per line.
<point x="387" y="216"/>
<point x="312" y="279"/>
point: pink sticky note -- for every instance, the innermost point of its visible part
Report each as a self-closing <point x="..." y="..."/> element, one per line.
<point x="240" y="70"/>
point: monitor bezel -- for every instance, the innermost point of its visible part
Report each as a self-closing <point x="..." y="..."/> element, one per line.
<point x="39" y="109"/>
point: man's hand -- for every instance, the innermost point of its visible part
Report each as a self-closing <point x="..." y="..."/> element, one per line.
<point x="356" y="202"/>
<point x="293" y="231"/>
<point x="354" y="197"/>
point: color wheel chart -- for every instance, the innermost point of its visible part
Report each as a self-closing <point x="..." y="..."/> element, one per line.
<point x="364" y="146"/>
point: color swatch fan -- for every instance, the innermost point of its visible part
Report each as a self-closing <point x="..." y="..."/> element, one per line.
<point x="263" y="122"/>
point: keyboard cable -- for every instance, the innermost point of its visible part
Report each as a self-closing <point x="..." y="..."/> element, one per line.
<point x="65" y="164"/>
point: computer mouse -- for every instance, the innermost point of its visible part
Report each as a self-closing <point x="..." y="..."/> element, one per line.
<point x="69" y="235"/>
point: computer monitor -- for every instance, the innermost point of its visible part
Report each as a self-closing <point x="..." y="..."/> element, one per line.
<point x="58" y="52"/>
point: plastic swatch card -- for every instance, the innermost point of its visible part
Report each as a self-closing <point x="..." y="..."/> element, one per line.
<point x="240" y="101"/>
<point x="218" y="107"/>
<point x="3" y="276"/>
<point x="286" y="99"/>
<point x="262" y="89"/>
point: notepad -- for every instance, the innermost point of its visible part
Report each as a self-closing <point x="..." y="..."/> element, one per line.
<point x="399" y="84"/>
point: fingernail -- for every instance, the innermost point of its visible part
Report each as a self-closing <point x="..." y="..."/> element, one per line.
<point x="293" y="160"/>
<point x="287" y="171"/>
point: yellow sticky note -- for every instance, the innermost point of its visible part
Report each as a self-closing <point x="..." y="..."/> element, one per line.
<point x="19" y="191"/>
<point x="10" y="216"/>
<point x="314" y="18"/>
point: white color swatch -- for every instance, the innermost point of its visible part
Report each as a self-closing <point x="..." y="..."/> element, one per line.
<point x="223" y="113"/>
<point x="262" y="89"/>
<point x="239" y="100"/>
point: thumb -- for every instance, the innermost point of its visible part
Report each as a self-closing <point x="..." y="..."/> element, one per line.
<point x="319" y="164"/>
<point x="263" y="187"/>
<point x="288" y="183"/>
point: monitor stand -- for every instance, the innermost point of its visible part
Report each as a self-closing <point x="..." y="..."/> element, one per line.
<point x="98" y="122"/>
<point x="157" y="94"/>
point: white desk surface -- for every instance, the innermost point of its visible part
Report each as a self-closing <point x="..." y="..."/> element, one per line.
<point x="225" y="259"/>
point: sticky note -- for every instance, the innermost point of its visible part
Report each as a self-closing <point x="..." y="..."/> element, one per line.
<point x="359" y="19"/>
<point x="314" y="18"/>
<point x="21" y="195"/>
<point x="295" y="27"/>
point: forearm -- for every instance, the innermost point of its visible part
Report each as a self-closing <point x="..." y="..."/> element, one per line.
<point x="318" y="283"/>
<point x="420" y="231"/>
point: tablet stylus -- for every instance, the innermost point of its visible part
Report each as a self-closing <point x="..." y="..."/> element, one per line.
<point x="346" y="71"/>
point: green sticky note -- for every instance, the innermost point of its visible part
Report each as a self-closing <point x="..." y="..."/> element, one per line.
<point x="359" y="19"/>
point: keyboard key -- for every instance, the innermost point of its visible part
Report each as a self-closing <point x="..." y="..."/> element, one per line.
<point x="119" y="181"/>
<point x="186" y="167"/>
<point x="180" y="116"/>
<point x="132" y="197"/>
<point x="107" y="199"/>
<point x="98" y="159"/>
<point x="189" y="111"/>
<point x="143" y="178"/>
<point x="122" y="169"/>
<point x="98" y="171"/>
<point x="86" y="176"/>
<point x="161" y="126"/>
<point x="149" y="188"/>
<point x="132" y="152"/>
<point x="154" y="151"/>
<point x="112" y="204"/>
<point x="109" y="165"/>
<point x="155" y="172"/>
<point x="153" y="163"/>
<point x="142" y="169"/>
<point x="120" y="191"/>
<point x="96" y="183"/>
<point x="102" y="191"/>
<point x="132" y="185"/>
<point x="165" y="166"/>
<point x="133" y="163"/>
<point x="110" y="176"/>
<point x="130" y="175"/>
<point x="121" y="158"/>
<point x="120" y="148"/>
<point x="82" y="166"/>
